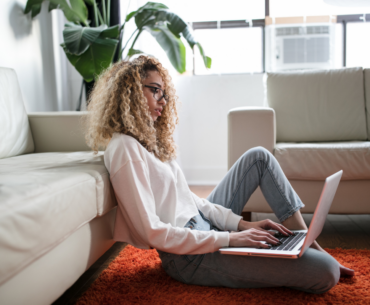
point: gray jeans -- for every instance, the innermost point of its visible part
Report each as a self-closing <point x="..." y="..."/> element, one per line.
<point x="314" y="272"/>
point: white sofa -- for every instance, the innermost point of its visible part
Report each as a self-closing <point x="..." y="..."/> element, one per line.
<point x="316" y="123"/>
<point x="57" y="206"/>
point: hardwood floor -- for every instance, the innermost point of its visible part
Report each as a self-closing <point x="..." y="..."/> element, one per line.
<point x="340" y="231"/>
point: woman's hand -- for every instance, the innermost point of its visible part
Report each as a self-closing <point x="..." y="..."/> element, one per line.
<point x="252" y="238"/>
<point x="264" y="225"/>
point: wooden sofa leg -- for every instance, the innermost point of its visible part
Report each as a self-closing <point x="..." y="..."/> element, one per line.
<point x="247" y="216"/>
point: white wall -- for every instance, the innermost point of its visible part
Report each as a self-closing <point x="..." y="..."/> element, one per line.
<point x="49" y="83"/>
<point x="202" y="132"/>
<point x="27" y="48"/>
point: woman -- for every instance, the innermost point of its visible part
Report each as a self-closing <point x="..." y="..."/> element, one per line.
<point x="133" y="113"/>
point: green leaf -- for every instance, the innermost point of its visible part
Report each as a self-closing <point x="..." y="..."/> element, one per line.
<point x="176" y="24"/>
<point x="74" y="10"/>
<point x="30" y="4"/>
<point x="79" y="8"/>
<point x="129" y="16"/>
<point x="132" y="52"/>
<point x="97" y="58"/>
<point x="111" y="32"/>
<point x="77" y="12"/>
<point x="52" y="6"/>
<point x="72" y="58"/>
<point x="145" y="18"/>
<point x="172" y="45"/>
<point x="189" y="37"/>
<point x="207" y="60"/>
<point x="151" y="6"/>
<point x="36" y="9"/>
<point x="192" y="42"/>
<point x="77" y="39"/>
<point x="91" y="2"/>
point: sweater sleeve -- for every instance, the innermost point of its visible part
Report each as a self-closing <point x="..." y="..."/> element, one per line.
<point x="135" y="199"/>
<point x="220" y="216"/>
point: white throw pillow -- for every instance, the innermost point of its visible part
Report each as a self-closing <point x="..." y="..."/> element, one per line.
<point x="15" y="132"/>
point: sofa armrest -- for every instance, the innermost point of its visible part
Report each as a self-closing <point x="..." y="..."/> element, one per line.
<point x="57" y="131"/>
<point x="249" y="127"/>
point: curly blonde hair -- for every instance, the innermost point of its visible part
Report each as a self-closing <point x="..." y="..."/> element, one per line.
<point x="117" y="104"/>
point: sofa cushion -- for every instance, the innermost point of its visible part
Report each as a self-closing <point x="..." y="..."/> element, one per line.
<point x="367" y="99"/>
<point x="316" y="161"/>
<point x="15" y="133"/>
<point x="44" y="198"/>
<point x="318" y="105"/>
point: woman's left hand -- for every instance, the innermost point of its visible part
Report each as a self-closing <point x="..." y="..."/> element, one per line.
<point x="264" y="225"/>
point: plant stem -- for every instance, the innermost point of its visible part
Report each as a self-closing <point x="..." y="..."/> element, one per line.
<point x="96" y="15"/>
<point x="128" y="41"/>
<point x="108" y="13"/>
<point x="104" y="12"/>
<point x="119" y="48"/>
<point x="100" y="17"/>
<point x="137" y="36"/>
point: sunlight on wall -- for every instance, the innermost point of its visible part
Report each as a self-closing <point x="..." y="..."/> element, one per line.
<point x="358" y="45"/>
<point x="288" y="8"/>
<point x="208" y="10"/>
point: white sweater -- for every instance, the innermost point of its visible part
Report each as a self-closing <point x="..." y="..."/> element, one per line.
<point x="155" y="202"/>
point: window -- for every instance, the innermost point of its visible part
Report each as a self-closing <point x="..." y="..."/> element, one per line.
<point x="235" y="50"/>
<point x="234" y="35"/>
<point x="231" y="33"/>
<point x="358" y="44"/>
<point x="213" y="10"/>
<point x="289" y="8"/>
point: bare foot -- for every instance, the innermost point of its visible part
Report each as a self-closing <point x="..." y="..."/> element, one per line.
<point x="344" y="271"/>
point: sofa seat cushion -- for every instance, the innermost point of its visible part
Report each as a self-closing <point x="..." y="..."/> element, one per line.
<point x="316" y="161"/>
<point x="44" y="198"/>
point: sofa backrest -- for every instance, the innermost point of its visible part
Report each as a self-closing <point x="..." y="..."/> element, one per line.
<point x="15" y="132"/>
<point x="318" y="105"/>
<point x="367" y="99"/>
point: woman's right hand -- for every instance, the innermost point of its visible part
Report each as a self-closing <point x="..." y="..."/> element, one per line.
<point x="252" y="238"/>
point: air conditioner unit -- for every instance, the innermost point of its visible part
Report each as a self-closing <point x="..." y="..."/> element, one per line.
<point x="300" y="46"/>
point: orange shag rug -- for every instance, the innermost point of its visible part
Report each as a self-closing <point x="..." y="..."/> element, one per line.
<point x="137" y="277"/>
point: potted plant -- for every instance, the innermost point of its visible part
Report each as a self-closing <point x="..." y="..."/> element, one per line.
<point x="90" y="42"/>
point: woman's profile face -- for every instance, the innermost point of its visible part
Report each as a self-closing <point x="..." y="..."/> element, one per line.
<point x="153" y="89"/>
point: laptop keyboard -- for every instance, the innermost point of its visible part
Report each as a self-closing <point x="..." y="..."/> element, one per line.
<point x="289" y="242"/>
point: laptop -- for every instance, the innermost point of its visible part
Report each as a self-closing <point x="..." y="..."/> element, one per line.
<point x="295" y="246"/>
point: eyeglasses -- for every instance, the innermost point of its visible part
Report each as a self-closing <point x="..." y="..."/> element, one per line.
<point x="158" y="93"/>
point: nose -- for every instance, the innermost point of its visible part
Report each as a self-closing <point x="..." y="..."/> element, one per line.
<point x="162" y="101"/>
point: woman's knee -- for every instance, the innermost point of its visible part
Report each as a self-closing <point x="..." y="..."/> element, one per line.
<point x="328" y="276"/>
<point x="257" y="152"/>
